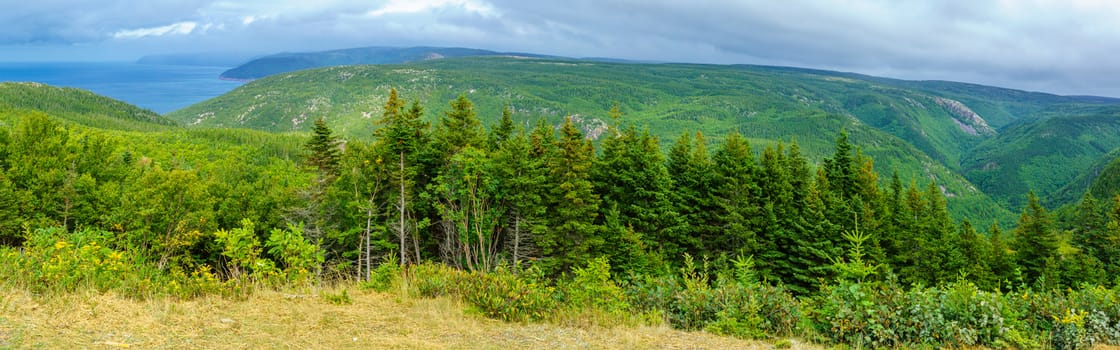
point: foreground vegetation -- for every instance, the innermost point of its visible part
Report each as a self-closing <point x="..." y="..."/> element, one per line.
<point x="540" y="226"/>
<point x="271" y="319"/>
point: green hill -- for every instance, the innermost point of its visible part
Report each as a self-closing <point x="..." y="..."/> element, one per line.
<point x="286" y="62"/>
<point x="1044" y="155"/>
<point x="918" y="134"/>
<point x="79" y="106"/>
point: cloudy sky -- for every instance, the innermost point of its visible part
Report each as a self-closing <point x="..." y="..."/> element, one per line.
<point x="1060" y="46"/>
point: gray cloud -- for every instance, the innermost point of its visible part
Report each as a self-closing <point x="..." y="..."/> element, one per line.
<point x="1056" y="46"/>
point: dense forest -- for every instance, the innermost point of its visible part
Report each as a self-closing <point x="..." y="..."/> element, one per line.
<point x="715" y="233"/>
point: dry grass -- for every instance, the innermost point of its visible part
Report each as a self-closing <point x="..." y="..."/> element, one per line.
<point x="269" y="320"/>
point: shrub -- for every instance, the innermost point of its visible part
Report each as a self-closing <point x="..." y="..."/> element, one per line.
<point x="501" y="294"/>
<point x="55" y="260"/>
<point x="434" y="280"/>
<point x="340" y="298"/>
<point x="592" y="288"/>
<point x="384" y="275"/>
<point x="300" y="257"/>
<point x="507" y="296"/>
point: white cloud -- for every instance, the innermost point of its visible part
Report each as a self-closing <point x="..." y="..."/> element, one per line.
<point x="180" y="28"/>
<point x="417" y="6"/>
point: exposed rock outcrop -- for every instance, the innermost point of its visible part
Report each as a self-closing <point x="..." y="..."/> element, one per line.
<point x="966" y="119"/>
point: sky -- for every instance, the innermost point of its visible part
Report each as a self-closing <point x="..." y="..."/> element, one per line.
<point x="1057" y="46"/>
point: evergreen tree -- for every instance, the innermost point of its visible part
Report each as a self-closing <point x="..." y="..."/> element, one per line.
<point x="736" y="197"/>
<point x="459" y="128"/>
<point x="571" y="238"/>
<point x="810" y="248"/>
<point x="523" y="189"/>
<point x="975" y="253"/>
<point x="945" y="255"/>
<point x="1109" y="248"/>
<point x="871" y="210"/>
<point x="632" y="179"/>
<point x="776" y="193"/>
<point x="689" y="167"/>
<point x="842" y="170"/>
<point x="1001" y="261"/>
<point x="1036" y="242"/>
<point x="893" y="237"/>
<point x="323" y="154"/>
<point x="403" y="138"/>
<point x="818" y="239"/>
<point x="501" y="133"/>
<point x="1090" y="230"/>
<point x="323" y="150"/>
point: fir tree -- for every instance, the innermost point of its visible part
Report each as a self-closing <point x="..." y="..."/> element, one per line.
<point x="501" y="133"/>
<point x="523" y="190"/>
<point x="631" y="178"/>
<point x="689" y="167"/>
<point x="403" y="138"/>
<point x="459" y="128"/>
<point x="571" y="237"/>
<point x="1036" y="242"/>
<point x="1090" y="231"/>
<point x="323" y="150"/>
<point x="1001" y="261"/>
<point x="841" y="168"/>
<point x="736" y="195"/>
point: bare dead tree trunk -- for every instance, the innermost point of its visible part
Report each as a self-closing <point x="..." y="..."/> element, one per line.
<point x="400" y="228"/>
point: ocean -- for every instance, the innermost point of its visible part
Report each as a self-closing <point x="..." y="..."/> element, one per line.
<point x="161" y="88"/>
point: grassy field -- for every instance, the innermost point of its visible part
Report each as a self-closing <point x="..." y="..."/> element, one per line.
<point x="270" y="319"/>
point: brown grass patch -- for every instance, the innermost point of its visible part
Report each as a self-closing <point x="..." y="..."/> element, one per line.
<point x="270" y="319"/>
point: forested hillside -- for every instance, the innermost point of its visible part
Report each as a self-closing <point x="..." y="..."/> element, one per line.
<point x="526" y="219"/>
<point x="984" y="144"/>
<point x="261" y="67"/>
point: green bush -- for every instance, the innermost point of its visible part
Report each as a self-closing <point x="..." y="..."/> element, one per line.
<point x="300" y="257"/>
<point x="432" y="280"/>
<point x="55" y="260"/>
<point x="887" y="316"/>
<point x="501" y="294"/>
<point x="736" y="306"/>
<point x="591" y="287"/>
<point x="384" y="275"/>
<point x="510" y="297"/>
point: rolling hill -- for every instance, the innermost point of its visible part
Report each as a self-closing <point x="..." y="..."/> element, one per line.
<point x="979" y="141"/>
<point x="79" y="106"/>
<point x="918" y="134"/>
<point x="286" y="62"/>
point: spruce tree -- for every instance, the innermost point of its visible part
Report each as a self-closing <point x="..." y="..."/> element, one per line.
<point x="776" y="193"/>
<point x="1090" y="231"/>
<point x="1001" y="261"/>
<point x="736" y="196"/>
<point x="975" y="253"/>
<point x="1036" y="242"/>
<point x="842" y="169"/>
<point x="523" y="189"/>
<point x="631" y="178"/>
<point x="403" y="139"/>
<point x="503" y="131"/>
<point x="571" y="238"/>
<point x="459" y="127"/>
<point x="689" y="167"/>
<point x="323" y="150"/>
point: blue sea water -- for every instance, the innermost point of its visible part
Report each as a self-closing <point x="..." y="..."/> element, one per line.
<point x="161" y="88"/>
